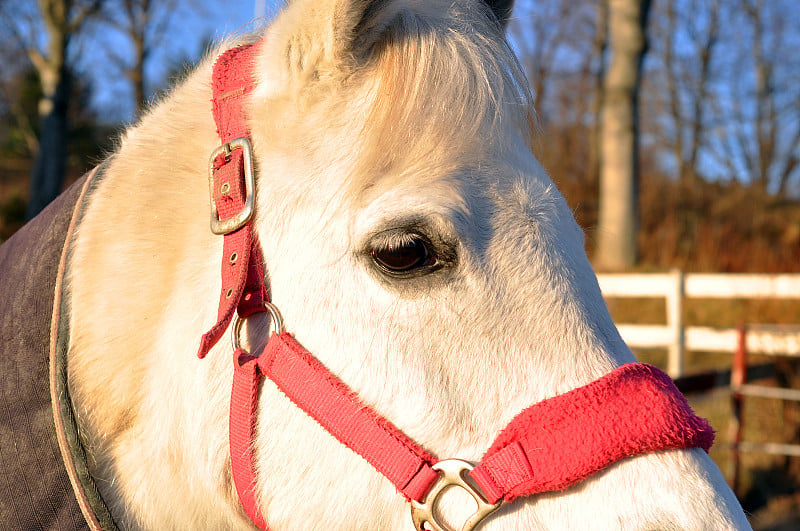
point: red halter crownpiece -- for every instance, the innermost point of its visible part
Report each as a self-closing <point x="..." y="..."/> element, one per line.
<point x="549" y="446"/>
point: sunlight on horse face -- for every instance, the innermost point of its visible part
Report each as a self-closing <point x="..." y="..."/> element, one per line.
<point x="425" y="140"/>
<point x="418" y="249"/>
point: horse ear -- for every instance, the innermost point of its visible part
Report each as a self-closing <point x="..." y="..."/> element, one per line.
<point x="359" y="23"/>
<point x="501" y="9"/>
<point x="318" y="35"/>
<point x="321" y="34"/>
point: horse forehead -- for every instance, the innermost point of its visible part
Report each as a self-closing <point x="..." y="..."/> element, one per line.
<point x="478" y="192"/>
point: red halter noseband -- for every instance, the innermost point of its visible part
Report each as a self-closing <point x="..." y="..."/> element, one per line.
<point x="549" y="446"/>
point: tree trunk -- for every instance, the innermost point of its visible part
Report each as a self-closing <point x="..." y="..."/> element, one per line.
<point x="136" y="74"/>
<point x="599" y="50"/>
<point x="619" y="172"/>
<point x="61" y="19"/>
<point x="47" y="177"/>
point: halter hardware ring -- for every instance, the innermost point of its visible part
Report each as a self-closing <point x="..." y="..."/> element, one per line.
<point x="453" y="472"/>
<point x="236" y="329"/>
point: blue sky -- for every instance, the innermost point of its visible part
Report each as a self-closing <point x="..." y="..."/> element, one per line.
<point x="189" y="28"/>
<point x="196" y="22"/>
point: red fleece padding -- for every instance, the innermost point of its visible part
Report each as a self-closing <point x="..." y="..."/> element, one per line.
<point x="561" y="441"/>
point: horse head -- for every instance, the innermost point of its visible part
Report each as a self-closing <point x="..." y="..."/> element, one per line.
<point x="411" y="242"/>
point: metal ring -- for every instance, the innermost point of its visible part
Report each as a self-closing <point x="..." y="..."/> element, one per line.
<point x="453" y="473"/>
<point x="236" y="329"/>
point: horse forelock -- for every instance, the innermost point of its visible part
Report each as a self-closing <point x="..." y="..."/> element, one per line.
<point x="437" y="89"/>
<point x="443" y="90"/>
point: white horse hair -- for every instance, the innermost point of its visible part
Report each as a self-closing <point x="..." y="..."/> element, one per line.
<point x="374" y="124"/>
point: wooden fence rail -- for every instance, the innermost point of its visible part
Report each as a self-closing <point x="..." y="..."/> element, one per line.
<point x="674" y="287"/>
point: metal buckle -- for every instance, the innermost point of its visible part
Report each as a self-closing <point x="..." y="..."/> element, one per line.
<point x="228" y="225"/>
<point x="453" y="474"/>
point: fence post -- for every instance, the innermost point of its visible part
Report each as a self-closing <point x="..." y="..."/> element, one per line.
<point x="675" y="322"/>
<point x="738" y="379"/>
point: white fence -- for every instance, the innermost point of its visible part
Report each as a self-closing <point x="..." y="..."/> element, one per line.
<point x="676" y="286"/>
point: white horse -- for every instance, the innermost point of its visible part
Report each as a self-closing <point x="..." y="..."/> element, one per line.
<point x="412" y="243"/>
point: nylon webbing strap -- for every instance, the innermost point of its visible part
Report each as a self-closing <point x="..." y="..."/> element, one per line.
<point x="242" y="274"/>
<point x="315" y="390"/>
<point x="242" y="271"/>
<point x="242" y="426"/>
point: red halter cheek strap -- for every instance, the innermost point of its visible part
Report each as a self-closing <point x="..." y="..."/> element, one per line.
<point x="549" y="446"/>
<point x="243" y="286"/>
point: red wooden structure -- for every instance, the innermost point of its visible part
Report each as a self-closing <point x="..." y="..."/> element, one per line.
<point x="741" y="389"/>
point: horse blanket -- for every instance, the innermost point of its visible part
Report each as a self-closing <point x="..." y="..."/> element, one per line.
<point x="35" y="487"/>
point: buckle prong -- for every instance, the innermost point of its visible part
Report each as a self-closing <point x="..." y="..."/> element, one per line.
<point x="230" y="224"/>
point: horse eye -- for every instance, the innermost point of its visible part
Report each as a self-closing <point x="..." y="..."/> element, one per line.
<point x="405" y="257"/>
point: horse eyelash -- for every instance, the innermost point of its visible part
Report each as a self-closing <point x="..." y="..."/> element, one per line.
<point x="392" y="240"/>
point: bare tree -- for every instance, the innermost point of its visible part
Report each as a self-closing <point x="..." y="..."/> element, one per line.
<point x="555" y="42"/>
<point x="60" y="21"/>
<point x="686" y="37"/>
<point x="733" y="91"/>
<point x="539" y="32"/>
<point x="16" y="69"/>
<point x="599" y="46"/>
<point x="769" y="160"/>
<point x="143" y="23"/>
<point x="618" y="217"/>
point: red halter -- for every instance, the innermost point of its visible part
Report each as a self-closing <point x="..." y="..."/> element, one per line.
<point x="549" y="446"/>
